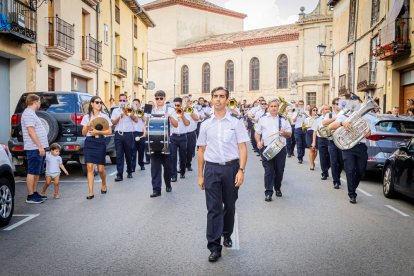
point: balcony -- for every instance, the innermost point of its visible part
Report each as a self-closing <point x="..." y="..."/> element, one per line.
<point x="138" y="75"/>
<point x="367" y="74"/>
<point x="342" y="90"/>
<point x="91" y="53"/>
<point x="19" y="20"/>
<point x="120" y="68"/>
<point x="117" y="15"/>
<point x="61" y="38"/>
<point x="396" y="43"/>
<point x="92" y="3"/>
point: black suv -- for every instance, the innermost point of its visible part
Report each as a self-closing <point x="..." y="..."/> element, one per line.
<point x="61" y="114"/>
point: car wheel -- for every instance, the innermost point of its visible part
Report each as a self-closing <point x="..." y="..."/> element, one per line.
<point x="388" y="185"/>
<point x="50" y="124"/>
<point x="113" y="160"/>
<point x="6" y="202"/>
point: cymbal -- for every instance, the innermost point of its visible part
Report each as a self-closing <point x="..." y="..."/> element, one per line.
<point x="100" y="123"/>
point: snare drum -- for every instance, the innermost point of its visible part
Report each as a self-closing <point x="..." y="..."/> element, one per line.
<point x="158" y="139"/>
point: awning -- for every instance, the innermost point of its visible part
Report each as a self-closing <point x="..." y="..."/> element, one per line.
<point x="388" y="29"/>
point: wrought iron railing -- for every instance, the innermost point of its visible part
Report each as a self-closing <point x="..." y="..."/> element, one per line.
<point x="400" y="45"/>
<point x="20" y="20"/>
<point x="91" y="49"/>
<point x="61" y="34"/>
<point x="120" y="65"/>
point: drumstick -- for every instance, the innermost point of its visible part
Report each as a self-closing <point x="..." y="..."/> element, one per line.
<point x="284" y="129"/>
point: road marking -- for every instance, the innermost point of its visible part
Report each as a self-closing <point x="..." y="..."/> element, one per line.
<point x="235" y="235"/>
<point x="365" y="193"/>
<point x="112" y="173"/>
<point x="65" y="181"/>
<point x="397" y="211"/>
<point x="17" y="224"/>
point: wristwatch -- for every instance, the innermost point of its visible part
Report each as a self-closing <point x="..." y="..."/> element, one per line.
<point x="242" y="170"/>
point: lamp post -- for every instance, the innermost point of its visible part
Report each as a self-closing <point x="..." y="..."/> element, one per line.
<point x="321" y="50"/>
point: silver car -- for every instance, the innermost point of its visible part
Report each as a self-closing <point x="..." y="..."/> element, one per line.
<point x="387" y="133"/>
<point x="7" y="187"/>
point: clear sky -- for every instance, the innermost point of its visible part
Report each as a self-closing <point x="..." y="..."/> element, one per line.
<point x="264" y="13"/>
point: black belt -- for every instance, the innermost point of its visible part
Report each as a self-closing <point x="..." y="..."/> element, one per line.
<point x="178" y="135"/>
<point x="191" y="132"/>
<point x="232" y="162"/>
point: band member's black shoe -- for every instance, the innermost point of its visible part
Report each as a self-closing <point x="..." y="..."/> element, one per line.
<point x="227" y="242"/>
<point x="142" y="168"/>
<point x="324" y="177"/>
<point x="214" y="256"/>
<point x="154" y="194"/>
<point x="268" y="198"/>
<point x="189" y="169"/>
<point x="118" y="178"/>
<point x="182" y="175"/>
<point x="168" y="189"/>
<point x="133" y="170"/>
<point x="173" y="179"/>
<point x="289" y="156"/>
<point x="300" y="161"/>
<point x="278" y="193"/>
<point x="336" y="186"/>
<point x="129" y="175"/>
<point x="352" y="200"/>
<point x="90" y="197"/>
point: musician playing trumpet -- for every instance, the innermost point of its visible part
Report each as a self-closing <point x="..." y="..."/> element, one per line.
<point x="270" y="127"/>
<point x="139" y="143"/>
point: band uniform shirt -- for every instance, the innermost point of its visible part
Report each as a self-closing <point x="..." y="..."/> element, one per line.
<point x="289" y="115"/>
<point x="163" y="110"/>
<point x="125" y="124"/>
<point x="86" y="120"/>
<point x="342" y="118"/>
<point x="221" y="138"/>
<point x="317" y="124"/>
<point x="309" y="122"/>
<point x="299" y="120"/>
<point x="268" y="127"/>
<point x="139" y="126"/>
<point x="193" y="124"/>
<point x="206" y="111"/>
<point x="258" y="114"/>
<point x="182" y="128"/>
<point x="30" y="119"/>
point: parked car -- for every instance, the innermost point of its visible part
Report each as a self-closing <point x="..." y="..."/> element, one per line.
<point x="61" y="114"/>
<point x="398" y="173"/>
<point x="387" y="133"/>
<point x="6" y="186"/>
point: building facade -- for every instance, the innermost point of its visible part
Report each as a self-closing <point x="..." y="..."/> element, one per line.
<point x="264" y="62"/>
<point x="18" y="35"/>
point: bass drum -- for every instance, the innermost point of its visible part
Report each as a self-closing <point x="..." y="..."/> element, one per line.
<point x="158" y="139"/>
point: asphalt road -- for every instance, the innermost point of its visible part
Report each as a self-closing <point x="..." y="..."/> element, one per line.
<point x="311" y="230"/>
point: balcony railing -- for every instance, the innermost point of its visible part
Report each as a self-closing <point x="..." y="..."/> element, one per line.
<point x="401" y="44"/>
<point x="367" y="74"/>
<point x="91" y="53"/>
<point x="61" y="38"/>
<point x="19" y="20"/>
<point x="117" y="15"/>
<point x="120" y="68"/>
<point x="138" y="75"/>
<point x="342" y="90"/>
<point x="92" y="3"/>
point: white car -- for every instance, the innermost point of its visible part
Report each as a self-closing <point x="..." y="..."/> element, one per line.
<point x="7" y="187"/>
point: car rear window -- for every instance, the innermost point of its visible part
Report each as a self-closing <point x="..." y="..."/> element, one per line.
<point x="396" y="127"/>
<point x="55" y="103"/>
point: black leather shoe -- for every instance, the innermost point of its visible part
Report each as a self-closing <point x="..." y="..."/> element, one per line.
<point x="300" y="161"/>
<point x="168" y="189"/>
<point x="324" y="177"/>
<point x="90" y="197"/>
<point x="336" y="186"/>
<point x="352" y="200"/>
<point x="214" y="256"/>
<point x="104" y="192"/>
<point x="118" y="178"/>
<point x="173" y="179"/>
<point x="142" y="168"/>
<point x="129" y="175"/>
<point x="154" y="194"/>
<point x="268" y="198"/>
<point x="189" y="169"/>
<point x="182" y="175"/>
<point x="278" y="193"/>
<point x="289" y="156"/>
<point x="228" y="242"/>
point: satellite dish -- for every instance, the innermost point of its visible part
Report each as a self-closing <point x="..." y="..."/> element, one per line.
<point x="150" y="85"/>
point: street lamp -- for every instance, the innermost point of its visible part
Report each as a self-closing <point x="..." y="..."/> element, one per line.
<point x="321" y="49"/>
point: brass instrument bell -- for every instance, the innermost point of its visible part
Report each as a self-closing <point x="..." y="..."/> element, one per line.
<point x="232" y="104"/>
<point x="189" y="109"/>
<point x="140" y="113"/>
<point x="179" y="111"/>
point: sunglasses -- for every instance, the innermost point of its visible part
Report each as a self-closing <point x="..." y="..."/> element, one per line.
<point x="177" y="105"/>
<point x="336" y="103"/>
<point x="98" y="102"/>
<point x="314" y="110"/>
<point x="263" y="103"/>
<point x="159" y="98"/>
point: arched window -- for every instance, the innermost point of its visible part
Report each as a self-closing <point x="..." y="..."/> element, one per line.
<point x="254" y="74"/>
<point x="206" y="78"/>
<point x="229" y="75"/>
<point x="282" y="72"/>
<point x="184" y="79"/>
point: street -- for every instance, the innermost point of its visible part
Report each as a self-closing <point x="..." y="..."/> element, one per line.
<point x="311" y="230"/>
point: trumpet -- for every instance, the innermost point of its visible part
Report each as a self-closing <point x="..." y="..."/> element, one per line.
<point x="139" y="113"/>
<point x="128" y="110"/>
<point x="189" y="109"/>
<point x="232" y="104"/>
<point x="179" y="111"/>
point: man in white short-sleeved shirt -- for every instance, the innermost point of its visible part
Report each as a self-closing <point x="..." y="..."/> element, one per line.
<point x="191" y="134"/>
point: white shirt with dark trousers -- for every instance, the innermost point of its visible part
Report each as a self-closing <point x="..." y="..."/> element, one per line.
<point x="178" y="141"/>
<point x="221" y="139"/>
<point x="30" y="119"/>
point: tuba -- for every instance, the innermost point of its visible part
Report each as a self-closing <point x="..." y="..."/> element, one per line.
<point x="345" y="138"/>
<point x="232" y="104"/>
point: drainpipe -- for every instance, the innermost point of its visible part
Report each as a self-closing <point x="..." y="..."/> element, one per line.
<point x="355" y="48"/>
<point x="111" y="46"/>
<point x="133" y="60"/>
<point x="97" y="39"/>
